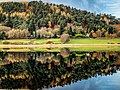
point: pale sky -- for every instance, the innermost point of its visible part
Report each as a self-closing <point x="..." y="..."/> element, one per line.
<point x="95" y="6"/>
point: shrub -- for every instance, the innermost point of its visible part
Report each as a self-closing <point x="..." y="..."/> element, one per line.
<point x="17" y="43"/>
<point x="65" y="52"/>
<point x="94" y="35"/>
<point x="80" y="36"/>
<point x="64" y="38"/>
<point x="6" y="42"/>
<point x="49" y="42"/>
<point x="118" y="34"/>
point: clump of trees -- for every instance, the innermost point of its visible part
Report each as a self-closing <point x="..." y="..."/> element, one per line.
<point x="44" y="32"/>
<point x="18" y="34"/>
<point x="42" y="19"/>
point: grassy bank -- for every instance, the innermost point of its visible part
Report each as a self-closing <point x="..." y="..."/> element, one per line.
<point x="57" y="41"/>
<point x="58" y="49"/>
<point x="32" y="45"/>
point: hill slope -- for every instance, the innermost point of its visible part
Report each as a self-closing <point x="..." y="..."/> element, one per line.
<point x="46" y="20"/>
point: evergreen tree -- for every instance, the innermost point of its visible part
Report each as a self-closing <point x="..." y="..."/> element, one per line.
<point x="70" y="31"/>
<point x="8" y="21"/>
<point x="32" y="28"/>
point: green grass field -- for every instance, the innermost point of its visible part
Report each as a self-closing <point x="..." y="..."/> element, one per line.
<point x="57" y="41"/>
<point x="93" y="41"/>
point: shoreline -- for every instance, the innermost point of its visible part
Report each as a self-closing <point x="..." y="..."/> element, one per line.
<point x="59" y="45"/>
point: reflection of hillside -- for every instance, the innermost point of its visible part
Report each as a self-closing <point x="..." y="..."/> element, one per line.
<point x="74" y="57"/>
<point x="51" y="69"/>
<point x="16" y="57"/>
<point x="117" y="62"/>
<point x="8" y="58"/>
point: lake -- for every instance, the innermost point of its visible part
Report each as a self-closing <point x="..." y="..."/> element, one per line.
<point x="64" y="70"/>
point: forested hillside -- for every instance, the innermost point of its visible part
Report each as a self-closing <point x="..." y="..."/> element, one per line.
<point x="46" y="20"/>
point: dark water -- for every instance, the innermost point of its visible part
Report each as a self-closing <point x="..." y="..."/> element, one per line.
<point x="60" y="70"/>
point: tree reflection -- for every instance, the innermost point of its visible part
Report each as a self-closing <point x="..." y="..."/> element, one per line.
<point x="45" y="70"/>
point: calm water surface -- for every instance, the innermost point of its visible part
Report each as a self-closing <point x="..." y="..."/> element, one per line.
<point x="63" y="70"/>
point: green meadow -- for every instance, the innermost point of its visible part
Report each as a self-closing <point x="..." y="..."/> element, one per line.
<point x="57" y="41"/>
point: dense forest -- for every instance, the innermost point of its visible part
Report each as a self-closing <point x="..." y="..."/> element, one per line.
<point x="46" y="20"/>
<point x="45" y="70"/>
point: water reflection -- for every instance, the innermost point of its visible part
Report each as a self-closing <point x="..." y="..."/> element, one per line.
<point x="46" y="70"/>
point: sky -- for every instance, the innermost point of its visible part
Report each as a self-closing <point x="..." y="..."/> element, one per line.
<point x="95" y="6"/>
